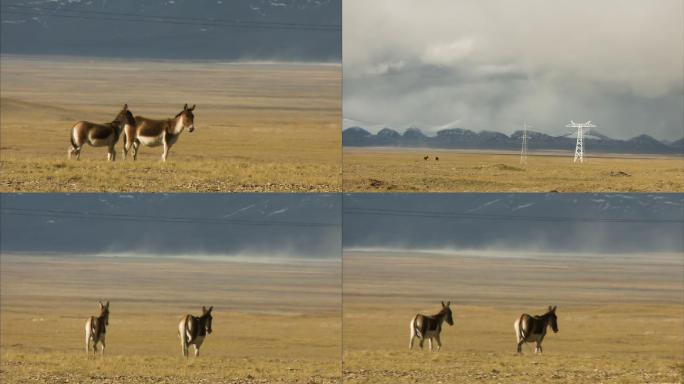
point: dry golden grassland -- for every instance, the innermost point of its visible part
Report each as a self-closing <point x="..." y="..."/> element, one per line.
<point x="404" y="170"/>
<point x="620" y="318"/>
<point x="272" y="322"/>
<point x="259" y="127"/>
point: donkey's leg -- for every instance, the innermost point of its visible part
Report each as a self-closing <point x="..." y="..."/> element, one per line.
<point x="412" y="334"/>
<point x="102" y="340"/>
<point x="136" y="145"/>
<point x="439" y="342"/>
<point x="166" y="149"/>
<point x="421" y="343"/>
<point x="430" y="343"/>
<point x="112" y="150"/>
<point x="126" y="145"/>
<point x="196" y="350"/>
<point x="87" y="344"/>
<point x="518" y="336"/>
<point x="186" y="346"/>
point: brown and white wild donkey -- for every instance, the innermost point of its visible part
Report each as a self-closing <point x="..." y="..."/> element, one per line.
<point x="429" y="327"/>
<point x="533" y="328"/>
<point x="153" y="133"/>
<point x="96" y="329"/>
<point x="100" y="135"/>
<point x="193" y="330"/>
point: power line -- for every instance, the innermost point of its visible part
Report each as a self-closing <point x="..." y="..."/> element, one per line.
<point x="159" y="219"/>
<point x="157" y="17"/>
<point x="205" y="24"/>
<point x="139" y="18"/>
<point x="501" y="217"/>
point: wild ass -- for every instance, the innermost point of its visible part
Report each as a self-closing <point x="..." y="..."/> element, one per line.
<point x="153" y="133"/>
<point x="533" y="328"/>
<point x="429" y="327"/>
<point x="96" y="329"/>
<point x="100" y="135"/>
<point x="193" y="330"/>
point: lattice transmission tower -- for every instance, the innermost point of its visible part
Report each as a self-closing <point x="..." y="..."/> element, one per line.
<point x="579" y="147"/>
<point x="523" y="150"/>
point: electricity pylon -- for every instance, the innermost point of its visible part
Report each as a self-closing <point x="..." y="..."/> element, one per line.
<point x="523" y="151"/>
<point x="579" y="147"/>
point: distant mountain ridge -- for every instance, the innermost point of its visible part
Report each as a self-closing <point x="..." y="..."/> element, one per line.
<point x="175" y="29"/>
<point x="459" y="138"/>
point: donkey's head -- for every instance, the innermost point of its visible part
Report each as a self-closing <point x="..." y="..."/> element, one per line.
<point x="125" y="117"/>
<point x="104" y="311"/>
<point x="185" y="119"/>
<point x="446" y="311"/>
<point x="553" y="319"/>
<point x="206" y="318"/>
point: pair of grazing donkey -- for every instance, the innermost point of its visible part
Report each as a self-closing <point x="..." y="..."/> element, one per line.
<point x="191" y="329"/>
<point x="527" y="328"/>
<point x="136" y="130"/>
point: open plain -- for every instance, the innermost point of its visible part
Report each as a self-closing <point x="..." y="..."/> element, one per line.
<point x="273" y="322"/>
<point x="620" y="317"/>
<point x="405" y="170"/>
<point x="259" y="126"/>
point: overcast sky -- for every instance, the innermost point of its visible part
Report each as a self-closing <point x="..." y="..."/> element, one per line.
<point x="490" y="65"/>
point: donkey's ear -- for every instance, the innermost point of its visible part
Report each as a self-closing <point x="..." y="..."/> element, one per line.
<point x="554" y="308"/>
<point x="550" y="308"/>
<point x="193" y="107"/>
<point x="125" y="107"/>
<point x="448" y="303"/>
<point x="443" y="305"/>
<point x="185" y="107"/>
<point x="107" y="305"/>
<point x="210" y="308"/>
<point x="101" y="305"/>
<point x="204" y="309"/>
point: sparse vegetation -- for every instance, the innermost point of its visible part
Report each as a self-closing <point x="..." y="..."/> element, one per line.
<point x="260" y="127"/>
<point x="620" y="318"/>
<point x="405" y="170"/>
<point x="273" y="323"/>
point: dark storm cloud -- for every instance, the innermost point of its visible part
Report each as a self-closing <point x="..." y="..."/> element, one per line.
<point x="492" y="65"/>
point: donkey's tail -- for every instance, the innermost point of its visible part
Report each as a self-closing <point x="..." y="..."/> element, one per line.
<point x="521" y="331"/>
<point x="414" y="326"/>
<point x="71" y="137"/>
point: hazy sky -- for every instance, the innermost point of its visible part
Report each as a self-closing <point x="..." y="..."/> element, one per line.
<point x="566" y="222"/>
<point x="290" y="30"/>
<point x="494" y="64"/>
<point x="250" y="224"/>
